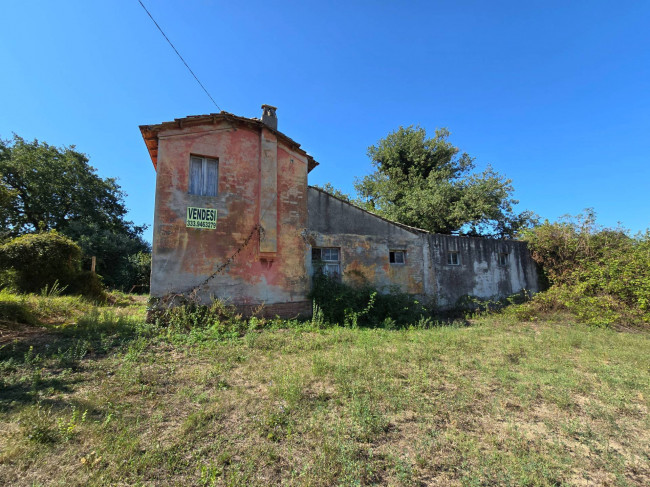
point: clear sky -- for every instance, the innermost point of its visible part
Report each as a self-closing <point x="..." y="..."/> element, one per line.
<point x="555" y="95"/>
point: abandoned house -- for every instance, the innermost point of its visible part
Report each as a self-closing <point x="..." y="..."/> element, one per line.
<point x="235" y="219"/>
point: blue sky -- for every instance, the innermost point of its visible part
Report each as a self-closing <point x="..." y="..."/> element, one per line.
<point x="555" y="95"/>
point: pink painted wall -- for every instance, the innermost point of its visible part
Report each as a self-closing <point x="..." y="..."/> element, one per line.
<point x="184" y="257"/>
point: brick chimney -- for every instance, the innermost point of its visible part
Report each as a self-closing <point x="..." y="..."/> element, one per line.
<point x="269" y="118"/>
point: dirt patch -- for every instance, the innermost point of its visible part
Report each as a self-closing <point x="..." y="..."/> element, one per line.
<point x="36" y="335"/>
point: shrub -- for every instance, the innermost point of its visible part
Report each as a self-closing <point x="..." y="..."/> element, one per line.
<point x="34" y="262"/>
<point x="364" y="305"/>
<point x="182" y="316"/>
<point x="14" y="309"/>
<point x="600" y="275"/>
<point x="89" y="285"/>
<point x="41" y="259"/>
<point x="139" y="272"/>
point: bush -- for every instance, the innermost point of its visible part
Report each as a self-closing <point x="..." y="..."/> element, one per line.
<point x="14" y="309"/>
<point x="139" y="270"/>
<point x="41" y="259"/>
<point x="600" y="275"/>
<point x="182" y="316"/>
<point x="31" y="263"/>
<point x="90" y="285"/>
<point x="364" y="305"/>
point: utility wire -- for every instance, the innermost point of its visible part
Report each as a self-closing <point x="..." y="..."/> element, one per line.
<point x="179" y="55"/>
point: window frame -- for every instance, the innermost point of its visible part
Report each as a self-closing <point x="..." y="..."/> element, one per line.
<point x="206" y="189"/>
<point x="503" y="258"/>
<point x="325" y="263"/>
<point x="392" y="256"/>
<point x="450" y="260"/>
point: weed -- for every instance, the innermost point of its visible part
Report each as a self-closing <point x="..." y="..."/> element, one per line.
<point x="71" y="356"/>
<point x="275" y="424"/>
<point x="68" y="427"/>
<point x="38" y="425"/>
<point x="32" y="359"/>
<point x="274" y="402"/>
<point x="342" y="303"/>
<point x="53" y="291"/>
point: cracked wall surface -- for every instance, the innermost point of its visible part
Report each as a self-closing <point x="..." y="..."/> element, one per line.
<point x="260" y="182"/>
<point x="365" y="241"/>
<point x="268" y="221"/>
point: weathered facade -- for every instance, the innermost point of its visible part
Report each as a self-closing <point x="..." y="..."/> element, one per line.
<point x="442" y="267"/>
<point x="235" y="219"/>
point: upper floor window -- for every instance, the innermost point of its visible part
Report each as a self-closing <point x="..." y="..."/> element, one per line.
<point x="397" y="256"/>
<point x="453" y="258"/>
<point x="327" y="260"/>
<point x="503" y="258"/>
<point x="203" y="176"/>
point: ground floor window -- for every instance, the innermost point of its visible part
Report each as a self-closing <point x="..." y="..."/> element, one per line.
<point x="397" y="256"/>
<point x="453" y="258"/>
<point x="503" y="258"/>
<point x="326" y="260"/>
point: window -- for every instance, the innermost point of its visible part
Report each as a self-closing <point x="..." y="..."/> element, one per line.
<point x="326" y="260"/>
<point x="397" y="256"/>
<point x="503" y="258"/>
<point x="203" y="176"/>
<point x="453" y="258"/>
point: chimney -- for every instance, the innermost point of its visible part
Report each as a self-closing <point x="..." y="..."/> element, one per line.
<point x="269" y="118"/>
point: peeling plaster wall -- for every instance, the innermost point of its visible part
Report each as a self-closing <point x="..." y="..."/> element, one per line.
<point x="479" y="272"/>
<point x="365" y="241"/>
<point x="184" y="257"/>
<point x="262" y="181"/>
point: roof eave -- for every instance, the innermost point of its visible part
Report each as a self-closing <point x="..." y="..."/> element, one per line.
<point x="150" y="132"/>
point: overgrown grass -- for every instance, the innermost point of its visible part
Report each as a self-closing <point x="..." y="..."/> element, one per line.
<point x="110" y="400"/>
<point x="53" y="310"/>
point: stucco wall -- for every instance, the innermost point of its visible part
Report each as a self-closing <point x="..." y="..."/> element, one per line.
<point x="479" y="272"/>
<point x="365" y="241"/>
<point x="184" y="257"/>
<point x="262" y="183"/>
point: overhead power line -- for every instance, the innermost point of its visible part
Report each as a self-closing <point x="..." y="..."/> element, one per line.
<point x="179" y="55"/>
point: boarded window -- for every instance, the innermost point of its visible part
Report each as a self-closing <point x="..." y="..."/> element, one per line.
<point x="453" y="258"/>
<point x="326" y="260"/>
<point x="397" y="256"/>
<point x="203" y="176"/>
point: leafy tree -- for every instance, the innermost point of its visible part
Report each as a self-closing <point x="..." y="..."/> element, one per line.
<point x="114" y="251"/>
<point x="43" y="187"/>
<point x="51" y="187"/>
<point x="329" y="188"/>
<point x="428" y="183"/>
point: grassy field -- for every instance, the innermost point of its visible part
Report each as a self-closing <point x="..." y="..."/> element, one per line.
<point x="98" y="397"/>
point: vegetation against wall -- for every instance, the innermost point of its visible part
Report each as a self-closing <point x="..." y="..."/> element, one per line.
<point x="602" y="275"/>
<point x="43" y="187"/>
<point x="364" y="305"/>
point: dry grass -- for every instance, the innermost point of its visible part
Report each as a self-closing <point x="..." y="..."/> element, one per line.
<point x="496" y="403"/>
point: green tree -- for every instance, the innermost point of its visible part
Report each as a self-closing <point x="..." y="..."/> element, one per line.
<point x="427" y="183"/>
<point x="43" y="187"/>
<point x="329" y="188"/>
